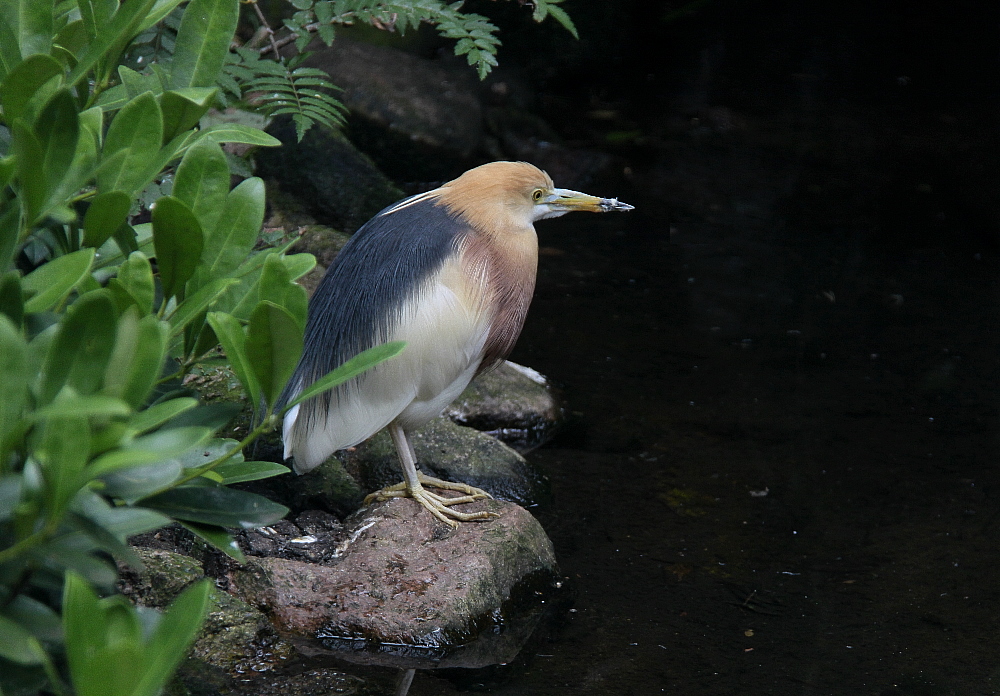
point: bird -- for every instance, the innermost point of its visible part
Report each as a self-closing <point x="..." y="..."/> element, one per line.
<point x="450" y="272"/>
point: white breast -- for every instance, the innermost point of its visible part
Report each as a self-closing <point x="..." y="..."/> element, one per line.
<point x="445" y="330"/>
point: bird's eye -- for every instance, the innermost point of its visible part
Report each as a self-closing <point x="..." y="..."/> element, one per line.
<point x="536" y="196"/>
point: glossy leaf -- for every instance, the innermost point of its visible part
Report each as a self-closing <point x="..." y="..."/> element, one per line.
<point x="136" y="482"/>
<point x="217" y="537"/>
<point x="68" y="404"/>
<point x="136" y="379"/>
<point x="82" y="346"/>
<point x="235" y="233"/>
<point x="28" y="154"/>
<point x="107" y="212"/>
<point x="24" y="82"/>
<point x="48" y="285"/>
<point x="18" y="645"/>
<point x="350" y="369"/>
<point x="158" y="414"/>
<point x="58" y="129"/>
<point x="276" y="286"/>
<point x="12" y="297"/>
<point x="135" y="276"/>
<point x="237" y="133"/>
<point x="137" y="130"/>
<point x="231" y="335"/>
<point x="158" y="446"/>
<point x="110" y="34"/>
<point x="178" y="239"/>
<point x="173" y="636"/>
<point x="217" y="505"/>
<point x="14" y="377"/>
<point x="160" y="10"/>
<point x="197" y="303"/>
<point x="273" y="347"/>
<point x="183" y="108"/>
<point x="203" y="40"/>
<point x="240" y="472"/>
<point x="202" y="184"/>
<point x="137" y="361"/>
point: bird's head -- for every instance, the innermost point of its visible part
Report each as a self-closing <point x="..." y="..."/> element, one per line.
<point x="520" y="192"/>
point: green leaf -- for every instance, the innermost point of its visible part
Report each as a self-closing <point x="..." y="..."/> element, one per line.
<point x="135" y="277"/>
<point x="28" y="154"/>
<point x="173" y="636"/>
<point x="273" y="347"/>
<point x="18" y="645"/>
<point x="202" y="183"/>
<point x="107" y="212"/>
<point x="48" y="285"/>
<point x="235" y="233"/>
<point x="159" y="446"/>
<point x="58" y="130"/>
<point x="213" y="504"/>
<point x="230" y="333"/>
<point x="136" y="83"/>
<point x="135" y="379"/>
<point x="236" y="133"/>
<point x="559" y="14"/>
<point x="203" y="40"/>
<point x="137" y="130"/>
<point x="34" y="22"/>
<point x="107" y="661"/>
<point x="217" y="537"/>
<point x="137" y="361"/>
<point x="119" y="521"/>
<point x="25" y="81"/>
<point x="14" y="377"/>
<point x="158" y="414"/>
<point x="159" y="12"/>
<point x="183" y="108"/>
<point x="82" y="347"/>
<point x="350" y="369"/>
<point x="197" y="303"/>
<point x="240" y="472"/>
<point x="109" y="36"/>
<point x="276" y="286"/>
<point x="12" y="297"/>
<point x="178" y="239"/>
<point x="68" y="404"/>
<point x="134" y="483"/>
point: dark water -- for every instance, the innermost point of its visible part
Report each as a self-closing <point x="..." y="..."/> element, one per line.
<point x="781" y="476"/>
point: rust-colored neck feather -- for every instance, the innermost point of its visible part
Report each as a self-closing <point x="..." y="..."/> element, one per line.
<point x="500" y="251"/>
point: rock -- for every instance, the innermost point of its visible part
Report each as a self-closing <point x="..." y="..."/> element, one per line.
<point x="454" y="453"/>
<point x="235" y="636"/>
<point x="336" y="183"/>
<point x="418" y="118"/>
<point x="512" y="403"/>
<point x="404" y="579"/>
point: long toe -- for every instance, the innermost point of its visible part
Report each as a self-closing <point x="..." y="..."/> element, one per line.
<point x="476" y="493"/>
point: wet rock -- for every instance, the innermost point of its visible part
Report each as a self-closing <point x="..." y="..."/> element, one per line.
<point x="513" y="403"/>
<point x="234" y="637"/>
<point x="418" y="118"/>
<point x="335" y="183"/>
<point x="454" y="453"/>
<point x="402" y="578"/>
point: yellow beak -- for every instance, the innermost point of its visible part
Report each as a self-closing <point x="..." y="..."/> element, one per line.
<point x="566" y="200"/>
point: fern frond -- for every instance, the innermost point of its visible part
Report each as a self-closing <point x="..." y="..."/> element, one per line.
<point x="303" y="93"/>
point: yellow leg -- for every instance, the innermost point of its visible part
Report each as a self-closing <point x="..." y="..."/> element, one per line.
<point x="414" y="482"/>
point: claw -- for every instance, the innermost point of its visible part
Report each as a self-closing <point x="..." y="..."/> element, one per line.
<point x="438" y="505"/>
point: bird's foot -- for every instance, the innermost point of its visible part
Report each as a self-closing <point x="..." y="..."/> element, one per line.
<point x="438" y="505"/>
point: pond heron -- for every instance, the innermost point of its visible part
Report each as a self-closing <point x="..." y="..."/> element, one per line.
<point x="450" y="272"/>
